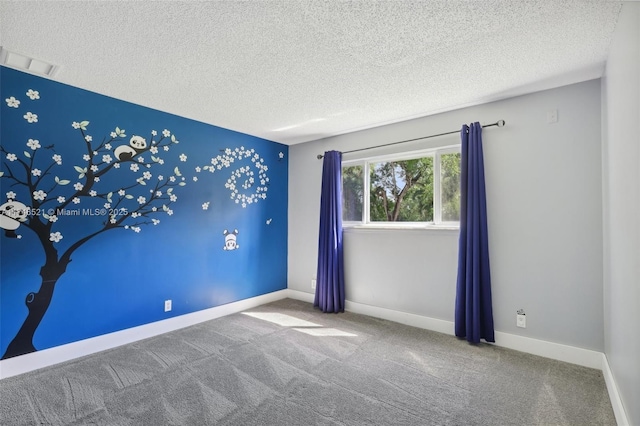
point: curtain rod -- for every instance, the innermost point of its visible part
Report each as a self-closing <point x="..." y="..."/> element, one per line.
<point x="499" y="123"/>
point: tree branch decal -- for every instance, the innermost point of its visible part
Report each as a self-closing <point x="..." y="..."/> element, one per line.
<point x="121" y="178"/>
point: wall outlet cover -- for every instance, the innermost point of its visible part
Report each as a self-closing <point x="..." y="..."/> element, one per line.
<point x="521" y="321"/>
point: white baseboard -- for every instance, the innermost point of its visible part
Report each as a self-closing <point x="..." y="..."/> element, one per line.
<point x="614" y="396"/>
<point x="571" y="354"/>
<point x="47" y="357"/>
<point x="413" y="320"/>
<point x="301" y="295"/>
<point x="557" y="351"/>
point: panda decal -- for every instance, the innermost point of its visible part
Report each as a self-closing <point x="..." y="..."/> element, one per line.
<point x="230" y="242"/>
<point x="137" y="144"/>
<point x="12" y="214"/>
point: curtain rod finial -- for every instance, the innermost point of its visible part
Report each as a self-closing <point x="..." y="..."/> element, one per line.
<point x="320" y="156"/>
<point x="501" y="123"/>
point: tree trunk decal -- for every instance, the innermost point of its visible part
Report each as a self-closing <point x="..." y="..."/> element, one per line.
<point x="121" y="179"/>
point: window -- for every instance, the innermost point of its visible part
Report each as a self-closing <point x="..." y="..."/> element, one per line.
<point x="417" y="189"/>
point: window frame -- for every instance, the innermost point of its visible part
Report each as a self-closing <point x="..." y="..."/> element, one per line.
<point x="436" y="154"/>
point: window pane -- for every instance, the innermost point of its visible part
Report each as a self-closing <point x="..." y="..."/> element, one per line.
<point x="450" y="175"/>
<point x="352" y="193"/>
<point x="402" y="191"/>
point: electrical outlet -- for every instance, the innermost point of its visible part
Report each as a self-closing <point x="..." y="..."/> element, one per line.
<point x="313" y="284"/>
<point x="167" y="305"/>
<point x="521" y="321"/>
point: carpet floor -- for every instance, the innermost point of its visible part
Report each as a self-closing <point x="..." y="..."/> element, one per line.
<point x="285" y="363"/>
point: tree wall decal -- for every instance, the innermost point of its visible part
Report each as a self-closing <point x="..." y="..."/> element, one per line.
<point x="121" y="179"/>
<point x="131" y="206"/>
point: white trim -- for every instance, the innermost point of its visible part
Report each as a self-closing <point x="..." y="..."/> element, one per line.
<point x="47" y="357"/>
<point x="300" y="295"/>
<point x="614" y="396"/>
<point x="414" y="320"/>
<point x="557" y="351"/>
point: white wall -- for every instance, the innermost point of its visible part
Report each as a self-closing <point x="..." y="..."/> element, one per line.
<point x="621" y="196"/>
<point x="545" y="220"/>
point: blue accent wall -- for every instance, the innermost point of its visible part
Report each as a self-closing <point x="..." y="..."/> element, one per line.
<point x="183" y="210"/>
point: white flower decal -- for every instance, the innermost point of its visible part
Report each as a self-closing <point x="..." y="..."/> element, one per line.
<point x="166" y="148"/>
<point x="160" y="177"/>
<point x="205" y="206"/>
<point x="198" y="169"/>
<point x="76" y="200"/>
<point x="33" y="94"/>
<point x="183" y="157"/>
<point x="86" y="157"/>
<point x="94" y="168"/>
<point x="166" y="133"/>
<point x="36" y="172"/>
<point x="58" y="159"/>
<point x="121" y="192"/>
<point x="12" y="102"/>
<point x="281" y="155"/>
<point x="11" y="195"/>
<point x="243" y="178"/>
<point x="153" y="150"/>
<point x="107" y="146"/>
<point x="53" y="218"/>
<point x="55" y="237"/>
<point x="146" y="175"/>
<point x="107" y="205"/>
<point x="31" y="117"/>
<point x="93" y="193"/>
<point x="116" y="166"/>
<point x="170" y="212"/>
<point x="88" y="138"/>
<point x="141" y="200"/>
<point x="61" y="199"/>
<point x="33" y="144"/>
<point x="173" y="197"/>
<point x="39" y="195"/>
<point x="11" y="157"/>
<point x="75" y="125"/>
<point x="107" y="158"/>
<point x="155" y="221"/>
<point x="134" y="167"/>
<point x="195" y="178"/>
<point x="140" y="159"/>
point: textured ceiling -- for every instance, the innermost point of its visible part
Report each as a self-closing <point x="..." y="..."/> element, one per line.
<point x="294" y="71"/>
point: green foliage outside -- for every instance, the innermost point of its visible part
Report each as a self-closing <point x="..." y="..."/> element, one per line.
<point x="402" y="191"/>
<point x="352" y="193"/>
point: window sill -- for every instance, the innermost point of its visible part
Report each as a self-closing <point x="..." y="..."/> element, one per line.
<point x="400" y="227"/>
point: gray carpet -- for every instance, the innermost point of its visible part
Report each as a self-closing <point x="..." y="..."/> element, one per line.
<point x="242" y="370"/>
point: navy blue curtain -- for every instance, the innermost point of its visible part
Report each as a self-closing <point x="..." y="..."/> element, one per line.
<point x="330" y="277"/>
<point x="474" y="313"/>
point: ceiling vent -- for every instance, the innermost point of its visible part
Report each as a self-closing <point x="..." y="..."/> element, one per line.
<point x="25" y="63"/>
